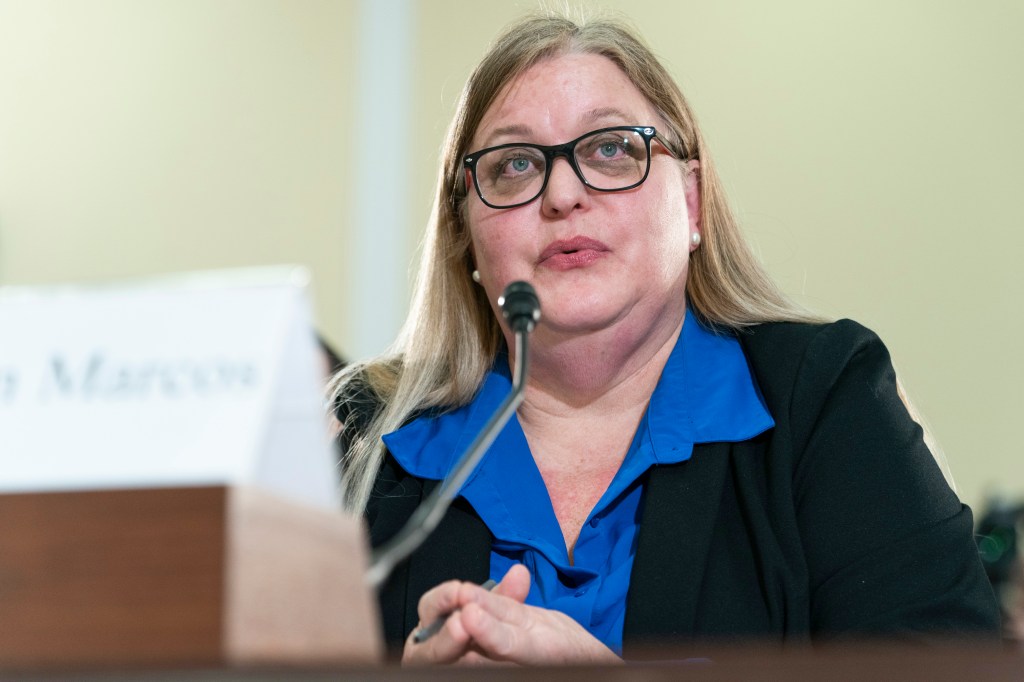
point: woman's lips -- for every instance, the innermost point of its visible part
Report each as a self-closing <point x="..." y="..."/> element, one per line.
<point x="566" y="254"/>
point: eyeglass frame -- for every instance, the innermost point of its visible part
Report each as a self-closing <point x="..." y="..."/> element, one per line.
<point x="567" y="150"/>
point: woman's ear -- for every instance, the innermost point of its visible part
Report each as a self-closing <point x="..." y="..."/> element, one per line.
<point x="473" y="272"/>
<point x="691" y="185"/>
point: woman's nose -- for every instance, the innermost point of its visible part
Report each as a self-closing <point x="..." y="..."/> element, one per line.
<point x="565" y="191"/>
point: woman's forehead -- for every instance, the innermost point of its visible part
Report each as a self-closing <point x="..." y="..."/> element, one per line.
<point x="559" y="98"/>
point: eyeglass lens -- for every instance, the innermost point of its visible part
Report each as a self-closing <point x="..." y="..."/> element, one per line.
<point x="608" y="160"/>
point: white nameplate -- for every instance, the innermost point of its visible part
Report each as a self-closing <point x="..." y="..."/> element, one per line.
<point x="193" y="380"/>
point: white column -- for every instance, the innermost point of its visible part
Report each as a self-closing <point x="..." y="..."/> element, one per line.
<point x="378" y="255"/>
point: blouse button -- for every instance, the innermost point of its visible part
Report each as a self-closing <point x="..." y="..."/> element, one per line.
<point x="595" y="522"/>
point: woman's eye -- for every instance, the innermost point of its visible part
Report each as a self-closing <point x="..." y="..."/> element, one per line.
<point x="607" y="149"/>
<point x="516" y="165"/>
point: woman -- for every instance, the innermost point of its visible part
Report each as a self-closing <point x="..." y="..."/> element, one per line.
<point x="695" y="456"/>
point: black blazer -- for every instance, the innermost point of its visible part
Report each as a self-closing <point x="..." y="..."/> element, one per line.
<point x="835" y="523"/>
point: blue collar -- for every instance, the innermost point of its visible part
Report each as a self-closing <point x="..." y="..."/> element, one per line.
<point x="706" y="394"/>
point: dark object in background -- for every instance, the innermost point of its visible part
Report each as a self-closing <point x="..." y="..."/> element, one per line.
<point x="999" y="540"/>
<point x="332" y="361"/>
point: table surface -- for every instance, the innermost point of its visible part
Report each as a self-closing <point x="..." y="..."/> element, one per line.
<point x="907" y="663"/>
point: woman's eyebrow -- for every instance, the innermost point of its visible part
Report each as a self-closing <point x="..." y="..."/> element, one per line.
<point x="516" y="130"/>
<point x="523" y="132"/>
<point x="604" y="112"/>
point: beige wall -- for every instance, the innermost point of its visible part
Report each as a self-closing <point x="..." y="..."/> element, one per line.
<point x="873" y="150"/>
<point x="142" y="136"/>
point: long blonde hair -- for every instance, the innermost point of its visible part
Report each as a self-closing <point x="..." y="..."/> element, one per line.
<point x="450" y="337"/>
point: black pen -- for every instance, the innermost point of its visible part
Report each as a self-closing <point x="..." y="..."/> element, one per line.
<point x="425" y="633"/>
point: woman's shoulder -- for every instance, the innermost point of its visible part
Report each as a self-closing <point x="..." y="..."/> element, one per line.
<point x="775" y="337"/>
<point x="785" y="356"/>
<point x="774" y="342"/>
<point x="355" y="405"/>
<point x="356" y="401"/>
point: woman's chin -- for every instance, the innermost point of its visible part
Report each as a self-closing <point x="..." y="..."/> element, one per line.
<point x="579" y="319"/>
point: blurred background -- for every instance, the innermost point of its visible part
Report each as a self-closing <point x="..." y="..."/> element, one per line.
<point x="873" y="150"/>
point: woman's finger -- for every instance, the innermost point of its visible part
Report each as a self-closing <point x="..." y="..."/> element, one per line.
<point x="448" y="645"/>
<point x="516" y="583"/>
<point x="505" y="608"/>
<point x="440" y="601"/>
<point x="506" y="630"/>
<point x="440" y="605"/>
<point x="492" y="634"/>
<point x="476" y="658"/>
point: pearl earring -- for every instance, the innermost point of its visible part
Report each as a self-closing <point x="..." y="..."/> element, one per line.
<point x="476" y="276"/>
<point x="695" y="239"/>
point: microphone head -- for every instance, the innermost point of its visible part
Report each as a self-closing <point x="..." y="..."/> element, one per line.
<point x="520" y="306"/>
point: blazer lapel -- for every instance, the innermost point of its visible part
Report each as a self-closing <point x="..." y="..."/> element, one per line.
<point x="680" y="505"/>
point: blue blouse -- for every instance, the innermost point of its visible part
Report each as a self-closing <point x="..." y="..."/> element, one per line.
<point x="706" y="393"/>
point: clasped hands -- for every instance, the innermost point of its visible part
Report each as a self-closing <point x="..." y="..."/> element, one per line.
<point x="485" y="627"/>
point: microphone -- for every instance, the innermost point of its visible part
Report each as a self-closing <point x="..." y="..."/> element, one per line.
<point x="521" y="309"/>
<point x="520" y="306"/>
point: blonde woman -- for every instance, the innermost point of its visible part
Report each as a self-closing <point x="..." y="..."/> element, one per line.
<point x="695" y="457"/>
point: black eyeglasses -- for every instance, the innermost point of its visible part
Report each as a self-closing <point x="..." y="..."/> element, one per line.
<point x="607" y="160"/>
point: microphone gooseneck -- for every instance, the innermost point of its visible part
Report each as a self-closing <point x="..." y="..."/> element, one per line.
<point x="521" y="309"/>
